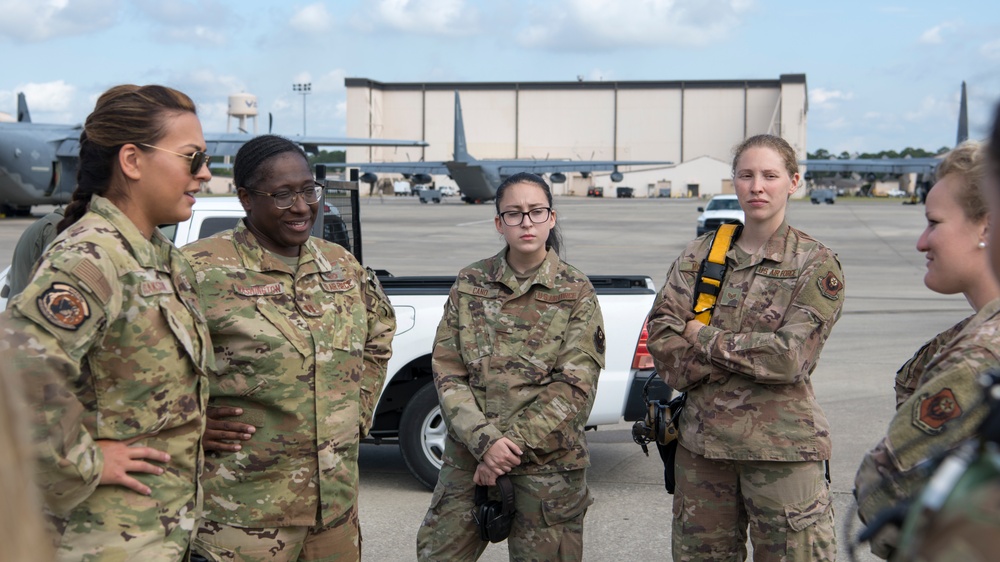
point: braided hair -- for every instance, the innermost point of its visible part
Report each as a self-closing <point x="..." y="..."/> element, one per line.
<point x="248" y="170"/>
<point x="124" y="114"/>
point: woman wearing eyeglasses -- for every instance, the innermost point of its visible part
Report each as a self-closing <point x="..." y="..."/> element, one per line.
<point x="516" y="361"/>
<point x="111" y="342"/>
<point x="302" y="335"/>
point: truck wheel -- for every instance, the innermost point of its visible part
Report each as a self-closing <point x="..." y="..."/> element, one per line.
<point x="422" y="434"/>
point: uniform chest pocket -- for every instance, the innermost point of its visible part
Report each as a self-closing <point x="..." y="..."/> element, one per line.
<point x="342" y="313"/>
<point x="767" y="302"/>
<point x="543" y="341"/>
<point x="282" y="321"/>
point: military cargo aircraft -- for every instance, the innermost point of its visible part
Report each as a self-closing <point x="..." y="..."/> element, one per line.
<point x="38" y="161"/>
<point x="895" y="166"/>
<point x="478" y="180"/>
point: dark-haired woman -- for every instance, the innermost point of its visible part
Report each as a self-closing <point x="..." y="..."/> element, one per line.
<point x="516" y="361"/>
<point x="111" y="341"/>
<point x="302" y="334"/>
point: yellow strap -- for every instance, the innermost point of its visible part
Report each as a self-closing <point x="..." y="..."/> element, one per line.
<point x="705" y="302"/>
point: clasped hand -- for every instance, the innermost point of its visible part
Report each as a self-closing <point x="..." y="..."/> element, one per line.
<point x="500" y="459"/>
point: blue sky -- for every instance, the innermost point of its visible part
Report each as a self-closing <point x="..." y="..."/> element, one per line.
<point x="881" y="74"/>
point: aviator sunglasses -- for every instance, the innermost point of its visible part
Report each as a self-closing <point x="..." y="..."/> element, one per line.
<point x="197" y="158"/>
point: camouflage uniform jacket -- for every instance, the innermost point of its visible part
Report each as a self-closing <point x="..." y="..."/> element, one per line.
<point x="908" y="376"/>
<point x="747" y="373"/>
<point x="304" y="355"/>
<point x="519" y="362"/>
<point x="111" y="340"/>
<point x="945" y="410"/>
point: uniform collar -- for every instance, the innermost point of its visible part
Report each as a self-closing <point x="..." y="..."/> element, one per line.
<point x="256" y="258"/>
<point x="774" y="249"/>
<point x="153" y="253"/>
<point x="502" y="273"/>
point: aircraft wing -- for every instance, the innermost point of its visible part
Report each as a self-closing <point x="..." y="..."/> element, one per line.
<point x="228" y="144"/>
<point x="874" y="165"/>
<point x="508" y="167"/>
<point x="412" y="168"/>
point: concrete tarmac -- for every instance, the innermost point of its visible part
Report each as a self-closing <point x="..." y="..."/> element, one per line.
<point x="888" y="315"/>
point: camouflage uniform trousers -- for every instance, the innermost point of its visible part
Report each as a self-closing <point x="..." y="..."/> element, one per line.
<point x="548" y="524"/>
<point x="787" y="506"/>
<point x="340" y="541"/>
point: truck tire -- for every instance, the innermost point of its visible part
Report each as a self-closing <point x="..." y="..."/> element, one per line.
<point x="422" y="434"/>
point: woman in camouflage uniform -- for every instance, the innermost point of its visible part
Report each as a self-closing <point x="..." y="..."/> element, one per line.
<point x="937" y="394"/>
<point x="111" y="340"/>
<point x="516" y="362"/>
<point x="753" y="438"/>
<point x="302" y="336"/>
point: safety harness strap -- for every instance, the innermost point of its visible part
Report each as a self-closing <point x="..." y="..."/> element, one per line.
<point x="713" y="270"/>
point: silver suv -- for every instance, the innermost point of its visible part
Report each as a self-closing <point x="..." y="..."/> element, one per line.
<point x="720" y="210"/>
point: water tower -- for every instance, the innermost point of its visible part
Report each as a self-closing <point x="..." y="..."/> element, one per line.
<point x="242" y="106"/>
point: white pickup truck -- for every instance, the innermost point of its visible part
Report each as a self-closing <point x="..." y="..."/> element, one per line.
<point x="407" y="412"/>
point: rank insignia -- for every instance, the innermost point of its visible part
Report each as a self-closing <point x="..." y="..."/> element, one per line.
<point x="599" y="342"/>
<point x="63" y="306"/>
<point x="830" y="286"/>
<point x="932" y="412"/>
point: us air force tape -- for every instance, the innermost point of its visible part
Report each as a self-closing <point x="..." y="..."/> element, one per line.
<point x="63" y="306"/>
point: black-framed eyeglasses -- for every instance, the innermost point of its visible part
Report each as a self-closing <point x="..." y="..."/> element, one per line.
<point x="284" y="199"/>
<point x="537" y="215"/>
<point x="198" y="158"/>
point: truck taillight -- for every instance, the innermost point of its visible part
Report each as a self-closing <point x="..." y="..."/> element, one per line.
<point x="642" y="358"/>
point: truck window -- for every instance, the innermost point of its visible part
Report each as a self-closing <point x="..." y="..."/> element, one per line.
<point x="213" y="225"/>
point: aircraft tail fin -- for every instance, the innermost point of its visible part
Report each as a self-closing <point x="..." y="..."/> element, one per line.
<point x="23" y="116"/>
<point x="461" y="148"/>
<point x="963" y="118"/>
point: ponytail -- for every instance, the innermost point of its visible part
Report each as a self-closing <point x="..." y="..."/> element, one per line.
<point x="124" y="114"/>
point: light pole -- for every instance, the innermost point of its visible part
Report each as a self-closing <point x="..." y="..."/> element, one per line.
<point x="305" y="90"/>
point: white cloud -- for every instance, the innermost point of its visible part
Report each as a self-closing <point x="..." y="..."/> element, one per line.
<point x="991" y="50"/>
<point x="55" y="97"/>
<point x="39" y="20"/>
<point x="825" y="99"/>
<point x="427" y="17"/>
<point x="187" y="22"/>
<point x="930" y="107"/>
<point x="933" y="36"/>
<point x="591" y="24"/>
<point x="312" y="19"/>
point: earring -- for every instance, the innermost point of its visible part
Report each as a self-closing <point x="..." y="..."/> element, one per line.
<point x="982" y="244"/>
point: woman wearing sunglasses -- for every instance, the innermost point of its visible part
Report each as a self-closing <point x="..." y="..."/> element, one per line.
<point x="111" y="342"/>
<point x="302" y="337"/>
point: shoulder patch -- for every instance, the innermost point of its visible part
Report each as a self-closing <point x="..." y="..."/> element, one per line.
<point x="599" y="340"/>
<point x="932" y="412"/>
<point x="63" y="306"/>
<point x="830" y="286"/>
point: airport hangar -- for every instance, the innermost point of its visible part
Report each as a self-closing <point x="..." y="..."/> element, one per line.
<point x="693" y="124"/>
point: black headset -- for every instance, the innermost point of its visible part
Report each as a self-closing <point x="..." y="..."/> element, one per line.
<point x="494" y="517"/>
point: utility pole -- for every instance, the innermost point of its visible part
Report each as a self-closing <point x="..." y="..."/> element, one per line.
<point x="305" y="90"/>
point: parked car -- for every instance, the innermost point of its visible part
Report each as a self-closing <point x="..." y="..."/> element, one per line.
<point x="818" y="196"/>
<point x="721" y="209"/>
<point x="595" y="192"/>
<point x="625" y="192"/>
<point x="448" y="190"/>
<point x="897" y="193"/>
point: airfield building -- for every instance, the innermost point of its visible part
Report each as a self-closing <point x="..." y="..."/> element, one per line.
<point x="693" y="124"/>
